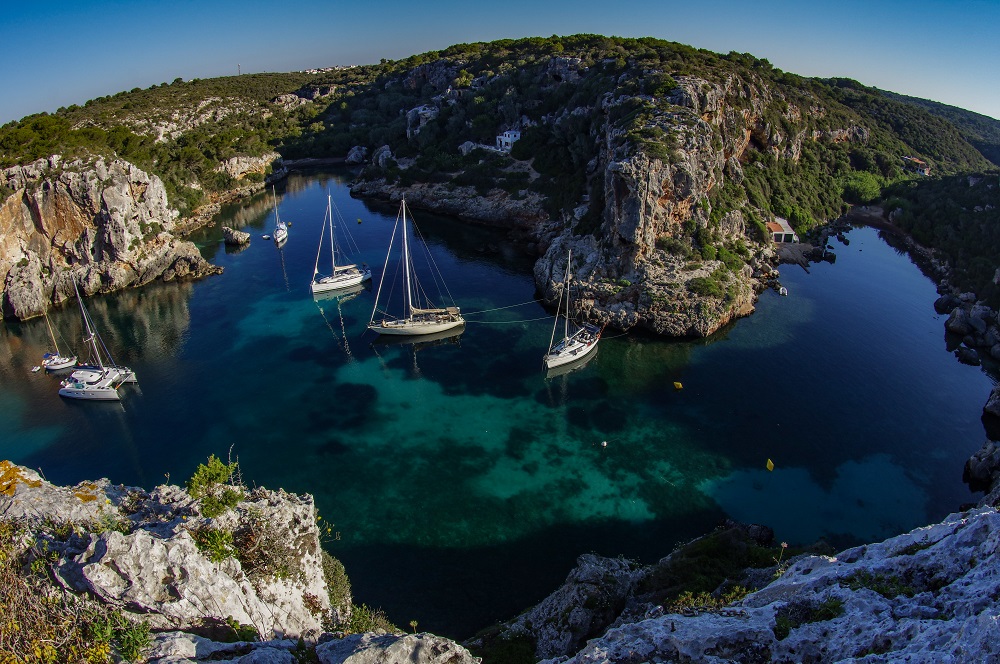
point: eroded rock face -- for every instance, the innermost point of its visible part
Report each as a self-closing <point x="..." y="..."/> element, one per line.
<point x="105" y="224"/>
<point x="930" y="595"/>
<point x="136" y="549"/>
<point x="632" y="243"/>
<point x="592" y="596"/>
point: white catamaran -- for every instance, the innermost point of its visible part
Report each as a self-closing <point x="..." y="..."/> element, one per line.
<point x="341" y="276"/>
<point x="101" y="380"/>
<point x="419" y="315"/>
<point x="55" y="361"/>
<point x="575" y="346"/>
<point x="280" y="234"/>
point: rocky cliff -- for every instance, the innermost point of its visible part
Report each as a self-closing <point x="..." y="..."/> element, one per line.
<point x="246" y="581"/>
<point x="654" y="245"/>
<point x="106" y="225"/>
<point x="930" y="595"/>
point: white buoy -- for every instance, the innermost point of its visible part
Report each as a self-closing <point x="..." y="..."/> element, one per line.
<point x="604" y="443"/>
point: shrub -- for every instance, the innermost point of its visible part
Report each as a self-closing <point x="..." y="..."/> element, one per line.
<point x="886" y="586"/>
<point x="366" y="619"/>
<point x="216" y="543"/>
<point x="338" y="586"/>
<point x="705" y="287"/>
<point x="263" y="549"/>
<point x="794" y="615"/>
<point x="209" y="483"/>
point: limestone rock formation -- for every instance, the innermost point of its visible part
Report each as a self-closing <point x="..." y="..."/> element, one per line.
<point x="992" y="406"/>
<point x="137" y="549"/>
<point x="147" y="554"/>
<point x="382" y="157"/>
<point x="240" y="166"/>
<point x="106" y="225"/>
<point x="982" y="473"/>
<point x="632" y="244"/>
<point x="929" y="595"/>
<point x="356" y="155"/>
<point x="234" y="237"/>
<point x="372" y="648"/>
<point x="592" y="596"/>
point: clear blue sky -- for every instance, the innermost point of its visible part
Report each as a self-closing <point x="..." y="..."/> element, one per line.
<point x="62" y="52"/>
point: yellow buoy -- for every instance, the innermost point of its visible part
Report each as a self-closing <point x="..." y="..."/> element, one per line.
<point x="678" y="385"/>
<point x="770" y="465"/>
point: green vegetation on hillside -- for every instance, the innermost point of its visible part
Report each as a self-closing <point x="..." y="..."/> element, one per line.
<point x="981" y="131"/>
<point x="578" y="100"/>
<point x="214" y="120"/>
<point x="960" y="217"/>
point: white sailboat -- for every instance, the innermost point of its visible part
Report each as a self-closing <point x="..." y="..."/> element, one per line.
<point x="572" y="347"/>
<point x="419" y="315"/>
<point x="341" y="276"/>
<point x="100" y="381"/>
<point x="55" y="361"/>
<point x="280" y="234"/>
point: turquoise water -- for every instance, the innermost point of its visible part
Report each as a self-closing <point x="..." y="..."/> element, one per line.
<point x="462" y="483"/>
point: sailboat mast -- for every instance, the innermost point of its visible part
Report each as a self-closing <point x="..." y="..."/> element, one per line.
<point x="89" y="336"/>
<point x="51" y="334"/>
<point x="569" y="262"/>
<point x="319" y="248"/>
<point x="333" y="243"/>
<point x="406" y="268"/>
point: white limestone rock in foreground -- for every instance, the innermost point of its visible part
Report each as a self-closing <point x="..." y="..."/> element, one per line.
<point x="951" y="569"/>
<point x="373" y="648"/>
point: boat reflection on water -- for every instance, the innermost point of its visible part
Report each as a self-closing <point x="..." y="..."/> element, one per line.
<point x="424" y="340"/>
<point x="341" y="295"/>
<point x="413" y="344"/>
<point x="335" y="298"/>
<point x="564" y="369"/>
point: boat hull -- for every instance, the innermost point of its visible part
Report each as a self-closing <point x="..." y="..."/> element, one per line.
<point x="572" y="365"/>
<point x="577" y="347"/>
<point x="90" y="393"/>
<point x="58" y="363"/>
<point x="340" y="282"/>
<point x="411" y="328"/>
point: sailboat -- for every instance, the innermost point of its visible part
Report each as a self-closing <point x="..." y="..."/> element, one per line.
<point x="419" y="315"/>
<point x="55" y="361"/>
<point x="573" y="347"/>
<point x="100" y="381"/>
<point x="280" y="234"/>
<point x="341" y="276"/>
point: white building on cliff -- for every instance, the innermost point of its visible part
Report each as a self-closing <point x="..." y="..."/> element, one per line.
<point x="507" y="139"/>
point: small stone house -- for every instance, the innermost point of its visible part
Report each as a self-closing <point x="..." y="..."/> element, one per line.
<point x="507" y="139"/>
<point x="780" y="231"/>
<point x="918" y="166"/>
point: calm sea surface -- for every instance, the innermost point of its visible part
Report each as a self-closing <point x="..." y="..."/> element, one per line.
<point x="462" y="482"/>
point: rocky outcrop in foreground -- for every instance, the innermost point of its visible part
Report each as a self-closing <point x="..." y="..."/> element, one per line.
<point x="930" y="595"/>
<point x="106" y="225"/>
<point x="200" y="571"/>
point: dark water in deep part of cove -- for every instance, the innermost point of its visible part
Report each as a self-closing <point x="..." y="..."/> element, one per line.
<point x="461" y="481"/>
